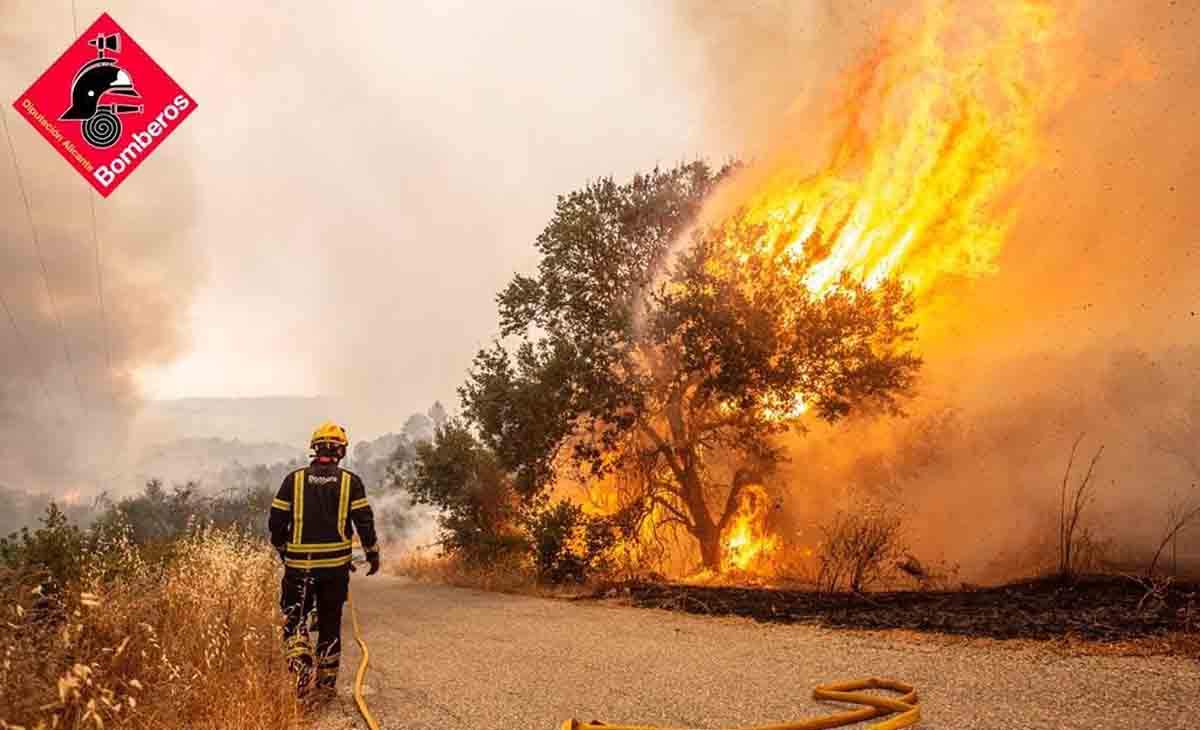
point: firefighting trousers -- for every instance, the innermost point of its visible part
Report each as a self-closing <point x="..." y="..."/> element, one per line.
<point x="307" y="594"/>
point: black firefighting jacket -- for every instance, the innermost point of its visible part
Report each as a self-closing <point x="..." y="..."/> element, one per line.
<point x="316" y="513"/>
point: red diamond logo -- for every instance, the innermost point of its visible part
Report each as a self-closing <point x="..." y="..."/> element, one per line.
<point x="105" y="105"/>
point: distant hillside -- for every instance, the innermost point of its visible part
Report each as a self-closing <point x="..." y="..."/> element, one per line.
<point x="282" y="420"/>
<point x="200" y="459"/>
<point x="205" y="439"/>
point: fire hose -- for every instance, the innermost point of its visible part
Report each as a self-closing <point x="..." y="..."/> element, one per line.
<point x="904" y="709"/>
<point x="362" y="668"/>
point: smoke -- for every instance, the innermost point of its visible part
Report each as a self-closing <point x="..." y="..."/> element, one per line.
<point x="402" y="525"/>
<point x="1088" y="326"/>
<point x="372" y="176"/>
<point x="333" y="221"/>
<point x="67" y="387"/>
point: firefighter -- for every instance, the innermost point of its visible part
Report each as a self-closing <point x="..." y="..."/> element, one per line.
<point x="313" y="518"/>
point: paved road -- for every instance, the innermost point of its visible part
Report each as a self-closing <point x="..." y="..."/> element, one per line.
<point x="449" y="658"/>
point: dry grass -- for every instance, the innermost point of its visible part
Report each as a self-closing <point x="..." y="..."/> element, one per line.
<point x="190" y="640"/>
<point x="511" y="577"/>
<point x="504" y="577"/>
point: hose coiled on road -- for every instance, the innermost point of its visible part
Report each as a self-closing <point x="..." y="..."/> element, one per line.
<point x="904" y="709"/>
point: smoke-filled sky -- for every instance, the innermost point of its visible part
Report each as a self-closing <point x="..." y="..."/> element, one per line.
<point x="361" y="178"/>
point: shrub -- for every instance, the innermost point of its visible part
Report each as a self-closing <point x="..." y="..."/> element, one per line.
<point x="51" y="555"/>
<point x="568" y="545"/>
<point x="159" y="514"/>
<point x="479" y="509"/>
<point x="859" y="548"/>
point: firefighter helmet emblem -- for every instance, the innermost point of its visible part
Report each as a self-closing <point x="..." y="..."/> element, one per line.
<point x="97" y="79"/>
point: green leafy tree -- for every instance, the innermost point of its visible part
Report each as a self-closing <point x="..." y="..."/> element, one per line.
<point x="677" y="375"/>
<point x="480" y="513"/>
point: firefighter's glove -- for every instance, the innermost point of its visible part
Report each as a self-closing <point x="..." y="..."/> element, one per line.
<point x="373" y="559"/>
<point x="282" y="555"/>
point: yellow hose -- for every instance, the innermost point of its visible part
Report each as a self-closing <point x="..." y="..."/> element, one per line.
<point x="362" y="668"/>
<point x="904" y="708"/>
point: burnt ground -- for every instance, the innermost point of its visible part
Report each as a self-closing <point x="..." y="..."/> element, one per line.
<point x="1101" y="608"/>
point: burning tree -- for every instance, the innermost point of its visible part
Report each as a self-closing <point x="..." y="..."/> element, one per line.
<point x="675" y="374"/>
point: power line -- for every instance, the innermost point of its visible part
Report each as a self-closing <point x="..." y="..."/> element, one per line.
<point x="100" y="284"/>
<point x="25" y="348"/>
<point x="37" y="244"/>
<point x="104" y="322"/>
<point x="104" y="326"/>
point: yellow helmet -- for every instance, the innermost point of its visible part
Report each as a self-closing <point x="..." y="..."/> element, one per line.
<point x="329" y="433"/>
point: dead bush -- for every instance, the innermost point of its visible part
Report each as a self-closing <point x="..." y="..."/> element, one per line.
<point x="859" y="547"/>
<point x="1079" y="549"/>
<point x="1179" y="517"/>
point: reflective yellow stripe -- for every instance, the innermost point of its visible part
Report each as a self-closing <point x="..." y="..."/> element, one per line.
<point x="280" y="504"/>
<point x="298" y="507"/>
<point x="326" y="563"/>
<point x="344" y="504"/>
<point x="318" y="547"/>
<point x="359" y="504"/>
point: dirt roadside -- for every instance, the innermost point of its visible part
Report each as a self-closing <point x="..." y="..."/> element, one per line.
<point x="455" y="658"/>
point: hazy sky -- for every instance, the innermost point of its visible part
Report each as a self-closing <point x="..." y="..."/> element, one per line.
<point x="369" y="175"/>
<point x="359" y="180"/>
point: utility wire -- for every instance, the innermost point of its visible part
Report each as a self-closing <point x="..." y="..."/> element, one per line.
<point x="100" y="285"/>
<point x="24" y="345"/>
<point x="104" y="326"/>
<point x="37" y="244"/>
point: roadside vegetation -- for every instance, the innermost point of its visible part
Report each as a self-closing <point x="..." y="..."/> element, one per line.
<point x="165" y="621"/>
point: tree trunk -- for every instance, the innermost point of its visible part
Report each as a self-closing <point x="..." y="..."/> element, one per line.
<point x="710" y="548"/>
<point x="706" y="531"/>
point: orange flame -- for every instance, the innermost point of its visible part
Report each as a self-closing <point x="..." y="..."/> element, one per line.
<point x="930" y="133"/>
<point x="747" y="545"/>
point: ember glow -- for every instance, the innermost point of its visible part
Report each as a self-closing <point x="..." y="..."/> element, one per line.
<point x="928" y="137"/>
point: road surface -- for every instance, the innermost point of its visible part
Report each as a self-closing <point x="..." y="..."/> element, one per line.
<point x="446" y="658"/>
